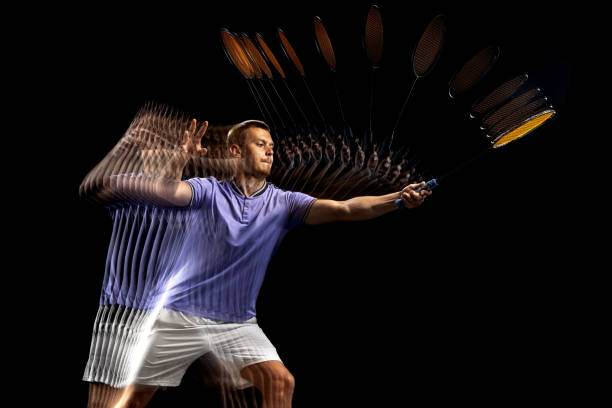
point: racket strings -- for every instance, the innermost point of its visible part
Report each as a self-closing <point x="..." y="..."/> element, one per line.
<point x="429" y="46"/>
<point x="497" y="96"/>
<point x="259" y="74"/>
<point x="509" y="107"/>
<point x="425" y="56"/>
<point x="526" y="127"/>
<point x="248" y="52"/>
<point x="272" y="59"/>
<point x="256" y="56"/>
<point x="270" y="55"/>
<point x="290" y="52"/>
<point x="517" y="117"/>
<point x="236" y="54"/>
<point x="374" y="36"/>
<point x="324" y="44"/>
<point x="473" y="71"/>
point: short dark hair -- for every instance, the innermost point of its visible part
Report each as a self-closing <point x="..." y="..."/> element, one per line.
<point x="237" y="133"/>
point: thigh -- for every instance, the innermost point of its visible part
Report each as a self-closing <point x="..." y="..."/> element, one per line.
<point x="173" y="345"/>
<point x="242" y="345"/>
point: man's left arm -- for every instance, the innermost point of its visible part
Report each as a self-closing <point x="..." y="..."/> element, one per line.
<point x="365" y="207"/>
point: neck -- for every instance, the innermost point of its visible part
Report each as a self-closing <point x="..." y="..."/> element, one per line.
<point x="249" y="184"/>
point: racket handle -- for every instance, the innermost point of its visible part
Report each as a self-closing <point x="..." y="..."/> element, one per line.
<point x="430" y="185"/>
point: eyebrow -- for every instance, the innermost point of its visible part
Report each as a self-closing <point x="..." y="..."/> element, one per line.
<point x="264" y="140"/>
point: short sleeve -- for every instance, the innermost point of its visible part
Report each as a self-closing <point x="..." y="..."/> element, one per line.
<point x="201" y="191"/>
<point x="299" y="205"/>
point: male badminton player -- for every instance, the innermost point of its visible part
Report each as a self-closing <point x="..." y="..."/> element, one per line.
<point x="223" y="265"/>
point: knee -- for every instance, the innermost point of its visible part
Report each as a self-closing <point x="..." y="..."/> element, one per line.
<point x="282" y="383"/>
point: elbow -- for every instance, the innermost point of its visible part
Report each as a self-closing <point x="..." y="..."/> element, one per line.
<point x="343" y="212"/>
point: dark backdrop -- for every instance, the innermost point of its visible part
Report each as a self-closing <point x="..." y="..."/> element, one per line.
<point x="467" y="298"/>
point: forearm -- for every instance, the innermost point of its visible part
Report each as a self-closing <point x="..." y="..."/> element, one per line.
<point x="133" y="172"/>
<point x="368" y="207"/>
<point x="145" y="189"/>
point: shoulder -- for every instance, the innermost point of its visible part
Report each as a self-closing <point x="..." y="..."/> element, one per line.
<point x="202" y="189"/>
<point x="274" y="191"/>
<point x="202" y="181"/>
<point x="292" y="198"/>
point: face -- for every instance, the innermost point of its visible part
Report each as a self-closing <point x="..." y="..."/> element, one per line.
<point x="258" y="152"/>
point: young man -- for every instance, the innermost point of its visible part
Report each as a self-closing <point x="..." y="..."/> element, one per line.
<point x="237" y="226"/>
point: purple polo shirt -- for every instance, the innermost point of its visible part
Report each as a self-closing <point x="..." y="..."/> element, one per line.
<point x="230" y="241"/>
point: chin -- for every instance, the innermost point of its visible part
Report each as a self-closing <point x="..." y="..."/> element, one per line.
<point x="266" y="170"/>
<point x="261" y="173"/>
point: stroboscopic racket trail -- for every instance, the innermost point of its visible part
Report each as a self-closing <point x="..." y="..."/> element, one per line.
<point x="267" y="52"/>
<point x="236" y="55"/>
<point x="259" y="77"/>
<point x="326" y="50"/>
<point x="259" y="60"/>
<point x="425" y="56"/>
<point x="373" y="44"/>
<point x="497" y="96"/>
<point x="291" y="55"/>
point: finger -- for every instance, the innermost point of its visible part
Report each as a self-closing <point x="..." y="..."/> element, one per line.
<point x="203" y="151"/>
<point x="185" y="141"/>
<point x="192" y="126"/>
<point x="410" y="198"/>
<point x="202" y="130"/>
<point x="414" y="186"/>
<point x="415" y="196"/>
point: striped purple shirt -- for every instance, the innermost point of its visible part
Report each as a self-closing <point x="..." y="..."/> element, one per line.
<point x="230" y="241"/>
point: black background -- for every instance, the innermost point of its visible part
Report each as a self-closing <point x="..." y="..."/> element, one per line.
<point x="469" y="298"/>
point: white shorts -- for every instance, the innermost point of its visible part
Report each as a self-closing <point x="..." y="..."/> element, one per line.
<point x="177" y="339"/>
<point x="159" y="353"/>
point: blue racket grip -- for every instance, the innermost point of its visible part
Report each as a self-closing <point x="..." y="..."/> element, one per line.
<point x="430" y="185"/>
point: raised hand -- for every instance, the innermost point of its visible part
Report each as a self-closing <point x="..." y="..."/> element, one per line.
<point x="192" y="142"/>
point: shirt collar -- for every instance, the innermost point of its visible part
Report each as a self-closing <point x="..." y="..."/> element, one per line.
<point x="260" y="191"/>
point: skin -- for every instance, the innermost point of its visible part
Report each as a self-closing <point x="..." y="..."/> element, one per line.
<point x="271" y="378"/>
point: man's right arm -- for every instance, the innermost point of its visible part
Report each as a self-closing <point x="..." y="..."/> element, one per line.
<point x="142" y="172"/>
<point x="149" y="190"/>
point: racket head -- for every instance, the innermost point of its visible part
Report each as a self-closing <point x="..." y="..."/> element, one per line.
<point x="373" y="39"/>
<point x="267" y="52"/>
<point x="500" y="94"/>
<point x="473" y="71"/>
<point x="506" y="109"/>
<point x="429" y="47"/>
<point x="257" y="72"/>
<point x="257" y="59"/>
<point x="516" y="117"/>
<point x="323" y="43"/>
<point x="289" y="51"/>
<point x="236" y="54"/>
<point x="523" y="128"/>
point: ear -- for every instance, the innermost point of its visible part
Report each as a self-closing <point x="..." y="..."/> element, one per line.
<point x="235" y="151"/>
